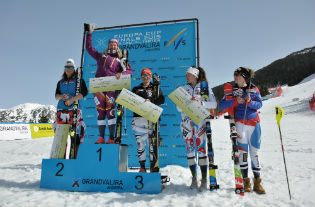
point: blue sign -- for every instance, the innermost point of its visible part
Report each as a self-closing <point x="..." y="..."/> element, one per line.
<point x="168" y="50"/>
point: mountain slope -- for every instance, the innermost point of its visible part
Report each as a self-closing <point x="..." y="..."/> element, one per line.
<point x="28" y="113"/>
<point x="289" y="70"/>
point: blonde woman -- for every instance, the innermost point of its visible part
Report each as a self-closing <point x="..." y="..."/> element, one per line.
<point x="108" y="64"/>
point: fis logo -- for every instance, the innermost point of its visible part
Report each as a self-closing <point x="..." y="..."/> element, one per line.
<point x="176" y="42"/>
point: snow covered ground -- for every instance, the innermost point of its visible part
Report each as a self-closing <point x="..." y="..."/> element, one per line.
<point x="20" y="166"/>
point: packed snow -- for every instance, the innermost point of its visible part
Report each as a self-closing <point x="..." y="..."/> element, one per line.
<point x="20" y="166"/>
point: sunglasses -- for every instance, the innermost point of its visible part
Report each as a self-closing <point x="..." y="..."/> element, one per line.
<point x="145" y="75"/>
<point x="69" y="67"/>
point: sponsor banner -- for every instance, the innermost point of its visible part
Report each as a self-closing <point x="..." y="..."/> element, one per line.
<point x="138" y="105"/>
<point x="15" y="131"/>
<point x="42" y="130"/>
<point x="192" y="109"/>
<point x="109" y="83"/>
<point x="167" y="49"/>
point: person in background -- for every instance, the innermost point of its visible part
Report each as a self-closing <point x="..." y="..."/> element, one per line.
<point x="66" y="96"/>
<point x="247" y="123"/>
<point x="141" y="127"/>
<point x="109" y="63"/>
<point x="193" y="134"/>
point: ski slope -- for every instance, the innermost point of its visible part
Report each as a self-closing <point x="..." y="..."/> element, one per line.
<point x="20" y="166"/>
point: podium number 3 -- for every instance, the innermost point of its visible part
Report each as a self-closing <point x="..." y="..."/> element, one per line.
<point x="139" y="178"/>
<point x="62" y="166"/>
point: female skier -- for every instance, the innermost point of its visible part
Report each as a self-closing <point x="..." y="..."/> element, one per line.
<point x="247" y="125"/>
<point x="193" y="134"/>
<point x="142" y="128"/>
<point x="66" y="96"/>
<point x="109" y="63"/>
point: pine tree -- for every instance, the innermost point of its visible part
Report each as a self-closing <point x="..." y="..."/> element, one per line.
<point x="43" y="119"/>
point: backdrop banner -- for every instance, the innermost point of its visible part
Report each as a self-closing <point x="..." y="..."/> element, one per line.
<point x="168" y="49"/>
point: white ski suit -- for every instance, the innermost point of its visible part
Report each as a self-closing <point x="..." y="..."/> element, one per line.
<point x="193" y="134"/>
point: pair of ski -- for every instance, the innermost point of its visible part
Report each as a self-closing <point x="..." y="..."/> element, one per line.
<point x="155" y="136"/>
<point x="73" y="128"/>
<point x="239" y="186"/>
<point x="204" y="92"/>
<point x="74" y="137"/>
<point x="228" y="95"/>
<point x="120" y="108"/>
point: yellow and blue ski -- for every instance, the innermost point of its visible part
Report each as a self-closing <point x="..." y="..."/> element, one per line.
<point x="204" y="91"/>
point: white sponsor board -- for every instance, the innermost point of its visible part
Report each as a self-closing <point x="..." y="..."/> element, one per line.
<point x="58" y="148"/>
<point x="109" y="83"/>
<point x="192" y="109"/>
<point x="15" y="131"/>
<point x="138" y="105"/>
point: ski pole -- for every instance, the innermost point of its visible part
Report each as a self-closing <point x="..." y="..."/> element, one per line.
<point x="279" y="114"/>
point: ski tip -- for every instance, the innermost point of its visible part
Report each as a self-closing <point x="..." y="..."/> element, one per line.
<point x="214" y="187"/>
<point x="240" y="191"/>
<point x="165" y="179"/>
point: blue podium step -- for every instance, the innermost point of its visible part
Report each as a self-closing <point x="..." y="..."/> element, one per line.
<point x="98" y="168"/>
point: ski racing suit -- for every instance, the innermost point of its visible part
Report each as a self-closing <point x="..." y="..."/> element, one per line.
<point x="247" y="126"/>
<point x="141" y="127"/>
<point x="193" y="134"/>
<point x="64" y="112"/>
<point x="107" y="65"/>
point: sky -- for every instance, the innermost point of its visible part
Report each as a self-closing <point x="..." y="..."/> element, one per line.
<point x="38" y="36"/>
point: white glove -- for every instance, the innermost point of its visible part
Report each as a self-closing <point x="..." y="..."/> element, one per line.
<point x="238" y="92"/>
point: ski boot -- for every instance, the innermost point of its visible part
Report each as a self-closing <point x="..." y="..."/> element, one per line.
<point x="257" y="186"/>
<point x="154" y="169"/>
<point x="247" y="185"/>
<point x="142" y="170"/>
<point x="100" y="141"/>
<point x="110" y="141"/>
<point x="203" y="185"/>
<point x="194" y="183"/>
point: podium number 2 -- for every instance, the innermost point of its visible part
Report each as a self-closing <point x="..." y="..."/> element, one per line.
<point x="139" y="178"/>
<point x="62" y="166"/>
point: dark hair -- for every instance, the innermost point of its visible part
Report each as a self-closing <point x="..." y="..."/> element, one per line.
<point x="202" y="75"/>
<point x="65" y="78"/>
<point x="246" y="73"/>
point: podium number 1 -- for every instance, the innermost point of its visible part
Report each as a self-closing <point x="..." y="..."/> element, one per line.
<point x="100" y="156"/>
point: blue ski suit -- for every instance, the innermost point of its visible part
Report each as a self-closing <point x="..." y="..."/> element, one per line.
<point x="247" y="126"/>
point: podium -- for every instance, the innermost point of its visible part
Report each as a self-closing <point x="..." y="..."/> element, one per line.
<point x="98" y="168"/>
